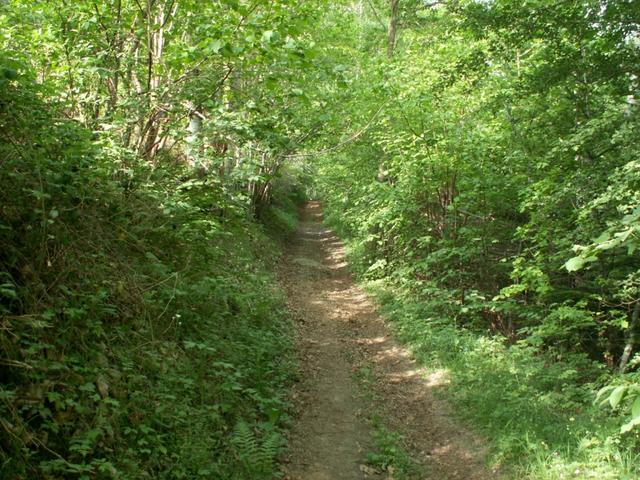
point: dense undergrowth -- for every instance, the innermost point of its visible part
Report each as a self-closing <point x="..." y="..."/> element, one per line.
<point x="536" y="408"/>
<point x="480" y="156"/>
<point x="490" y="193"/>
<point x="142" y="332"/>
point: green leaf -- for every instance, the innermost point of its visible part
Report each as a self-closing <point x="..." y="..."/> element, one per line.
<point x="268" y="36"/>
<point x="635" y="408"/>
<point x="627" y="427"/>
<point x="574" y="264"/>
<point x="215" y="45"/>
<point x="632" y="218"/>
<point x="616" y="396"/>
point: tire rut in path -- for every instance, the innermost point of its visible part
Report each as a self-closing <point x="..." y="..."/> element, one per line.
<point x="337" y="332"/>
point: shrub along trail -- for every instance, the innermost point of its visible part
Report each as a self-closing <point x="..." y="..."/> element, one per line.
<point x="339" y="334"/>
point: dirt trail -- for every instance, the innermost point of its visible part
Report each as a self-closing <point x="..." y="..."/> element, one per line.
<point x="339" y="332"/>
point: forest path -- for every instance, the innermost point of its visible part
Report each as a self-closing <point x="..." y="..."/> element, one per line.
<point x="338" y="335"/>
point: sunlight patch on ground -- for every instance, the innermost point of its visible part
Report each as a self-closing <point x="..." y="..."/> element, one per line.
<point x="438" y="378"/>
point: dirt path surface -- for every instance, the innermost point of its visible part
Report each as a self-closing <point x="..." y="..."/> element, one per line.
<point x="338" y="334"/>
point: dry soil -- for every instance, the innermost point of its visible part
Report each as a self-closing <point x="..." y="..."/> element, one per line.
<point x="339" y="333"/>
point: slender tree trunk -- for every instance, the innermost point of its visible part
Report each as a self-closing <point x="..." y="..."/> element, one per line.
<point x="631" y="340"/>
<point x="117" y="41"/>
<point x="393" y="27"/>
<point x="157" y="24"/>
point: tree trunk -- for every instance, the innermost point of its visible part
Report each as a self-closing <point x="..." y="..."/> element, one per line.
<point x="393" y="27"/>
<point x="631" y="340"/>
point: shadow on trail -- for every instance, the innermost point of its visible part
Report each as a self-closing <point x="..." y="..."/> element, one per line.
<point x="338" y="333"/>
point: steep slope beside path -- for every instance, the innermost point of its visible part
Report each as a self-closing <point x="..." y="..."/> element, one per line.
<point x="338" y="331"/>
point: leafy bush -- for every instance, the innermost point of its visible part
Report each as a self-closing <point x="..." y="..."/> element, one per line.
<point x="142" y="334"/>
<point x="537" y="408"/>
<point x="492" y="186"/>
